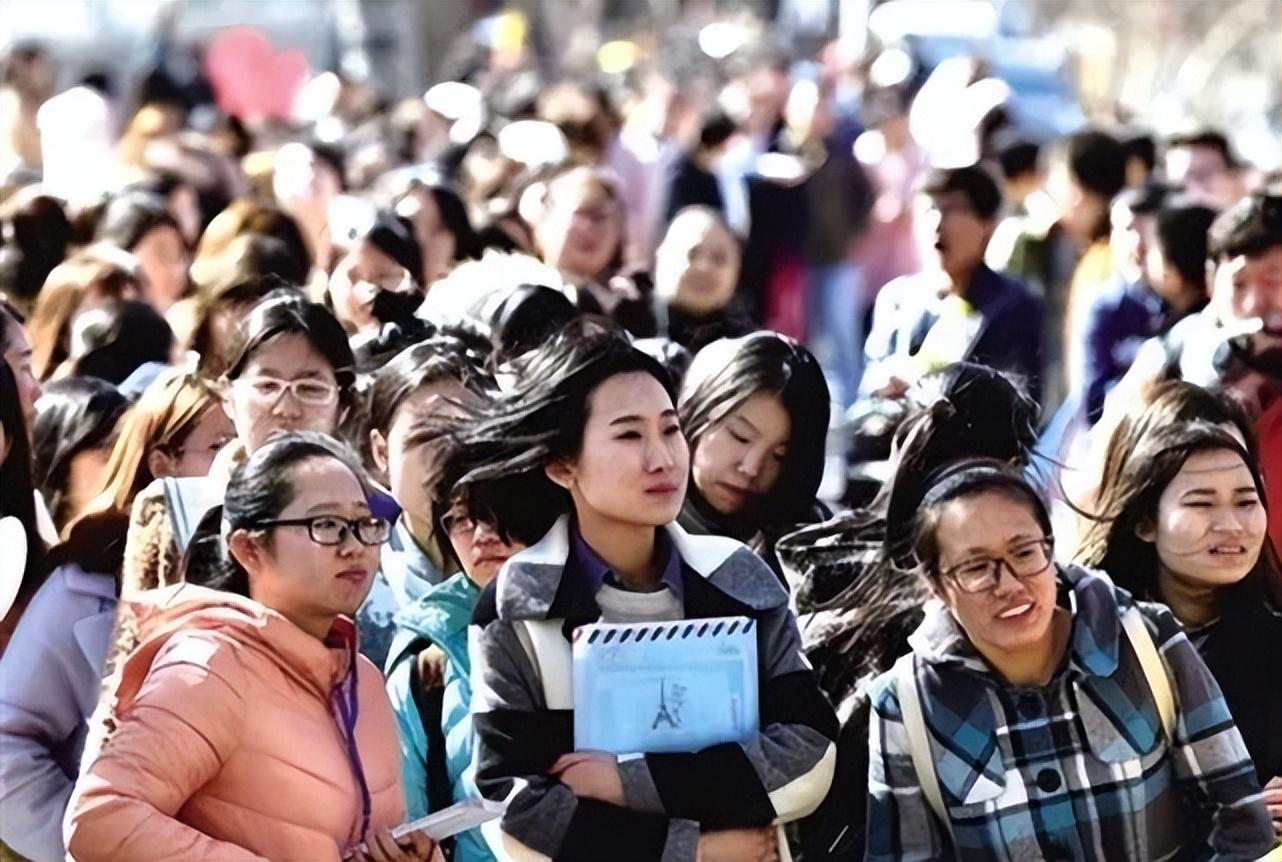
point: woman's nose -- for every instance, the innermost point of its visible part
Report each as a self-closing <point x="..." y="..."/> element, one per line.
<point x="657" y="456"/>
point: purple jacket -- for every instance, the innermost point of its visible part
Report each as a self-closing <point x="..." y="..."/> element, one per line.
<point x="50" y="677"/>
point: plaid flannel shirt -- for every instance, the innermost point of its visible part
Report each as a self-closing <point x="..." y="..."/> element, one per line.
<point x="1078" y="769"/>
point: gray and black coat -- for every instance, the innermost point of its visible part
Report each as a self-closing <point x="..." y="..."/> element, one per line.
<point x="524" y="718"/>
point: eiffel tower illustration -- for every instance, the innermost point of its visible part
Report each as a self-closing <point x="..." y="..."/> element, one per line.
<point x="665" y="716"/>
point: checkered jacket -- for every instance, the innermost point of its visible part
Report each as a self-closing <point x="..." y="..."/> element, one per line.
<point x="1078" y="769"/>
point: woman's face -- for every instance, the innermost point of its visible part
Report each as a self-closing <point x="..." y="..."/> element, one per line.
<point x="303" y="580"/>
<point x="1014" y="614"/>
<point x="287" y="385"/>
<point x="738" y="460"/>
<point x="162" y="255"/>
<point x="18" y="354"/>
<point x="477" y="545"/>
<point x="85" y="474"/>
<point x="697" y="265"/>
<point x="434" y="238"/>
<point x="1210" y="523"/>
<point x="195" y="453"/>
<point x="358" y="278"/>
<point x="580" y="230"/>
<point x="633" y="466"/>
<point x="408" y="467"/>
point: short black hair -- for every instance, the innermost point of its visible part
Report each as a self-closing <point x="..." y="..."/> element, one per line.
<point x="1097" y="161"/>
<point x="1018" y="158"/>
<point x="1211" y="139"/>
<point x="1142" y="146"/>
<point x="715" y="128"/>
<point x="976" y="182"/>
<point x="1183" y="226"/>
<point x="1250" y="227"/>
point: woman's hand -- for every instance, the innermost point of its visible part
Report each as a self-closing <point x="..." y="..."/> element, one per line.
<point x="380" y="846"/>
<point x="431" y="667"/>
<point x="590" y="775"/>
<point x="1273" y="800"/>
<point x="739" y="845"/>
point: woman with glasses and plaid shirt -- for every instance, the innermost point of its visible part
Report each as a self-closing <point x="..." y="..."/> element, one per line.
<point x="1042" y="714"/>
<point x="245" y="725"/>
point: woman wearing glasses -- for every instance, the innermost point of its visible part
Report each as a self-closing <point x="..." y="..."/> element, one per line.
<point x="245" y="725"/>
<point x="1041" y="714"/>
<point x="290" y="370"/>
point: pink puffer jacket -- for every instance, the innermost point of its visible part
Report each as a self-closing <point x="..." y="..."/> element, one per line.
<point x="227" y="740"/>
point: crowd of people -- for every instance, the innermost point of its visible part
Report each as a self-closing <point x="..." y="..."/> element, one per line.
<point x="319" y="441"/>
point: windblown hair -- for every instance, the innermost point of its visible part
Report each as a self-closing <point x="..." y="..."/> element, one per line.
<point x="512" y="439"/>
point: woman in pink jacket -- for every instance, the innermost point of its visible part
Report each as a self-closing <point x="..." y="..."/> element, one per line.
<point x="245" y="725"/>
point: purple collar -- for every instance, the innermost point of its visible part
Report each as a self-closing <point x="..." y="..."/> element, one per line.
<point x="593" y="570"/>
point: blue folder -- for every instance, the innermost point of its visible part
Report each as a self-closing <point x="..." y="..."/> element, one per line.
<point x="683" y="686"/>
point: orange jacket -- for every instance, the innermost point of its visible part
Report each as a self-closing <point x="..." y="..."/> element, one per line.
<point x="228" y="743"/>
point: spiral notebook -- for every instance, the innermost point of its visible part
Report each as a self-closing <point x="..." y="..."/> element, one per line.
<point x="646" y="688"/>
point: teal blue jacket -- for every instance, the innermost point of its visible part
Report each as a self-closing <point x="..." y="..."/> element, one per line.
<point x="441" y="616"/>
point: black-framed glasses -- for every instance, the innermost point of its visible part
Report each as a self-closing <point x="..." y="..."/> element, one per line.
<point x="978" y="574"/>
<point x="332" y="530"/>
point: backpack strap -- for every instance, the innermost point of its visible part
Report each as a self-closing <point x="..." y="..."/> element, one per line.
<point x="552" y="656"/>
<point x="919" y="738"/>
<point x="1151" y="664"/>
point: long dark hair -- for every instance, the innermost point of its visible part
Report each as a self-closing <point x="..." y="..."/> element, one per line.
<point x="442" y="357"/>
<point x="1133" y="499"/>
<point x="258" y="491"/>
<point x="76" y="414"/>
<point x="131" y="216"/>
<point x="453" y="213"/>
<point x="541" y="420"/>
<point x="1171" y="403"/>
<point x="964" y="411"/>
<point x="727" y="373"/>
<point x="17" y="490"/>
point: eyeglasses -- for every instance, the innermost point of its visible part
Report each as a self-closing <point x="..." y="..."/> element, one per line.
<point x="984" y="573"/>
<point x="458" y="523"/>
<point x="331" y="530"/>
<point x="306" y="390"/>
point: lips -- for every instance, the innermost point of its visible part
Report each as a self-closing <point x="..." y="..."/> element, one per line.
<point x="662" y="488"/>
<point x="354" y="575"/>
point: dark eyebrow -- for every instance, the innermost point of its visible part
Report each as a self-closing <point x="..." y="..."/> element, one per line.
<point x="1191" y="491"/>
<point x="631" y="418"/>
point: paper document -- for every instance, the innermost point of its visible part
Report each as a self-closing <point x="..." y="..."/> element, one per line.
<point x="645" y="688"/>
